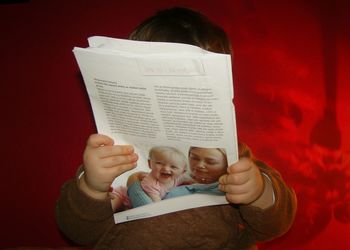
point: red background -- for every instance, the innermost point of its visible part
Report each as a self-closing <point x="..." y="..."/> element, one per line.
<point x="292" y="90"/>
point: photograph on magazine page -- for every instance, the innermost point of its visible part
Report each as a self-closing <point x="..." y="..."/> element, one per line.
<point x="171" y="173"/>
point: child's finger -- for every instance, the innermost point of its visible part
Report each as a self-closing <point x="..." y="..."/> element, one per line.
<point x="119" y="160"/>
<point x="237" y="198"/>
<point x="120" y="169"/>
<point x="223" y="179"/>
<point x="117" y="150"/>
<point x="235" y="189"/>
<point x="242" y="165"/>
<point x="234" y="179"/>
<point x="97" y="140"/>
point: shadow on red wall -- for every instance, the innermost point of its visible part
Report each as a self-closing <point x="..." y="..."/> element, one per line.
<point x="298" y="83"/>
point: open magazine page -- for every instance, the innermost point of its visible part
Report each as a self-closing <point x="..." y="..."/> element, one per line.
<point x="161" y="97"/>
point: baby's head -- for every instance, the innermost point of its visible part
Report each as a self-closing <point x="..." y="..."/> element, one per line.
<point x="166" y="163"/>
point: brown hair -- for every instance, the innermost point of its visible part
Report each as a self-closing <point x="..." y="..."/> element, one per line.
<point x="182" y="25"/>
<point x="221" y="150"/>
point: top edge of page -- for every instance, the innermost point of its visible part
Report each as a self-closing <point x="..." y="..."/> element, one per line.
<point x="119" y="44"/>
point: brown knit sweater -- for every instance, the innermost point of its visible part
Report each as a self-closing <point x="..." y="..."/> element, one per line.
<point x="87" y="221"/>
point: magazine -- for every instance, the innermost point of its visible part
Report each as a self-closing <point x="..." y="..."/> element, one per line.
<point x="158" y="97"/>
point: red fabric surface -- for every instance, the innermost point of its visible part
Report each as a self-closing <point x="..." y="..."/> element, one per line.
<point x="291" y="70"/>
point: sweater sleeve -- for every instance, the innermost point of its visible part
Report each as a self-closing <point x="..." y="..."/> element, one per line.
<point x="272" y="222"/>
<point x="81" y="218"/>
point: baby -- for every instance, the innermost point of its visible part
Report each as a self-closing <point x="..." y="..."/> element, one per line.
<point x="168" y="166"/>
<point x="168" y="170"/>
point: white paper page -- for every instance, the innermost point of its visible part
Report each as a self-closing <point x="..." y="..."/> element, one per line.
<point x="169" y="206"/>
<point x="141" y="47"/>
<point x="150" y="99"/>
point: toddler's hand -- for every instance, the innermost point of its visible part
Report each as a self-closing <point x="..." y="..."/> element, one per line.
<point x="103" y="162"/>
<point x="243" y="182"/>
<point x="138" y="176"/>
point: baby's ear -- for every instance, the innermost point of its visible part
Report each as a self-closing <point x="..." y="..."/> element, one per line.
<point x="149" y="163"/>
